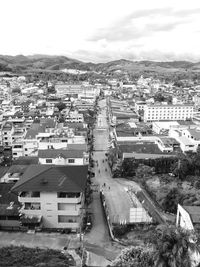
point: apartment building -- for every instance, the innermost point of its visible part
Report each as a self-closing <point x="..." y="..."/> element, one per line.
<point x="74" y="116"/>
<point x="7" y="132"/>
<point x="32" y="138"/>
<point x="52" y="196"/>
<point x="167" y="112"/>
<point x="82" y="106"/>
<point x="139" y="105"/>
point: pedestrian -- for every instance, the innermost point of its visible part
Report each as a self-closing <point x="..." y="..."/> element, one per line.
<point x="104" y="184"/>
<point x="106" y="169"/>
<point x="109" y="188"/>
<point x="99" y="171"/>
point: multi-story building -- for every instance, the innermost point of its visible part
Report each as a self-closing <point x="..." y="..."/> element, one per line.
<point x="139" y="105"/>
<point x="52" y="196"/>
<point x="32" y="138"/>
<point x="81" y="105"/>
<point x="7" y="132"/>
<point x="74" y="116"/>
<point x="167" y="112"/>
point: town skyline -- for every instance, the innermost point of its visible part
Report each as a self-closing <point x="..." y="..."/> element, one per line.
<point x="101" y="32"/>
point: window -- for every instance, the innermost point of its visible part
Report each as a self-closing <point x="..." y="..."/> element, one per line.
<point x="67" y="219"/>
<point x="48" y="160"/>
<point x="68" y="195"/>
<point x="71" y="160"/>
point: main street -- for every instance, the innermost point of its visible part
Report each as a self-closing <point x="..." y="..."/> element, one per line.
<point x="98" y="240"/>
<point x="118" y="200"/>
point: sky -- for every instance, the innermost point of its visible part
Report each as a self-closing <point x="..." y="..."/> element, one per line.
<point x="102" y="30"/>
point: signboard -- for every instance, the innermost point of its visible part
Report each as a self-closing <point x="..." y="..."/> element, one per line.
<point x="139" y="215"/>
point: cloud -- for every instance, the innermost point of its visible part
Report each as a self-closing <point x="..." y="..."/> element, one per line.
<point x="134" y="55"/>
<point x="130" y="31"/>
<point x="143" y="23"/>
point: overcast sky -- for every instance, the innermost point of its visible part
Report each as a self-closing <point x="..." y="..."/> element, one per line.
<point x="102" y="30"/>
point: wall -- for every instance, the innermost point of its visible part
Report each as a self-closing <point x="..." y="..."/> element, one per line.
<point x="49" y="209"/>
<point x="62" y="161"/>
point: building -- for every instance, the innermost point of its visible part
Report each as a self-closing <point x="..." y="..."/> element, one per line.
<point x="52" y="196"/>
<point x="186" y="216"/>
<point x="139" y="105"/>
<point x="63" y="157"/>
<point x="163" y="127"/>
<point x="32" y="138"/>
<point x="165" y="112"/>
<point x="7" y="132"/>
<point x="9" y="207"/>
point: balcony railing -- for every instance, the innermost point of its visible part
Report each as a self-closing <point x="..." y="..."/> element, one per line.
<point x="29" y="194"/>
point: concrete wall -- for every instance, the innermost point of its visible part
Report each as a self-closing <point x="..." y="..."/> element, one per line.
<point x="62" y="161"/>
<point x="50" y="210"/>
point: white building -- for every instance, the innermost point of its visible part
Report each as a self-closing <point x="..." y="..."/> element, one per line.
<point x="140" y="105"/>
<point x="167" y="112"/>
<point x="52" y="196"/>
<point x="63" y="157"/>
<point x="161" y="127"/>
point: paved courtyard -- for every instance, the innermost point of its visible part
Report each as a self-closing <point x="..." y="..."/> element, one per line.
<point x="41" y="240"/>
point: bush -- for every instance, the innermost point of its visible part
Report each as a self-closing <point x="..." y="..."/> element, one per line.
<point x="120" y="230"/>
<point x="31" y="257"/>
<point x="135" y="257"/>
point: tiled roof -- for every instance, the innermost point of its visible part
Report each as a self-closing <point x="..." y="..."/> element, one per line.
<point x="53" y="179"/>
<point x="77" y="146"/>
<point x="26" y="161"/>
<point x="3" y="171"/>
<point x="17" y="169"/>
<point x="54" y="153"/>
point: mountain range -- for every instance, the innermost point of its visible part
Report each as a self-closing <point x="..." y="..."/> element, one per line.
<point x="57" y="63"/>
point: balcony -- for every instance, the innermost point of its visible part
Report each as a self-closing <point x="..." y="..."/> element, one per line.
<point x="73" y="198"/>
<point x="31" y="208"/>
<point x="69" y="212"/>
<point x="69" y="225"/>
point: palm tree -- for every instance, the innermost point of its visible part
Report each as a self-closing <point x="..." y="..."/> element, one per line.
<point x="173" y="247"/>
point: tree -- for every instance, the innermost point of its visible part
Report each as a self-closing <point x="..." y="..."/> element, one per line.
<point x="135" y="257"/>
<point x="144" y="171"/>
<point x="171" y="200"/>
<point x="159" y="97"/>
<point x="128" y="167"/>
<point x="173" y="247"/>
<point x="61" y="106"/>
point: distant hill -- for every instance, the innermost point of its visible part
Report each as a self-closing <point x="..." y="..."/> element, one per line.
<point x="57" y="63"/>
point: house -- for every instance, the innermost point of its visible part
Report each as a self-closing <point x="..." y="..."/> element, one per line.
<point x="13" y="174"/>
<point x="9" y="207"/>
<point x="52" y="196"/>
<point x="63" y="157"/>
